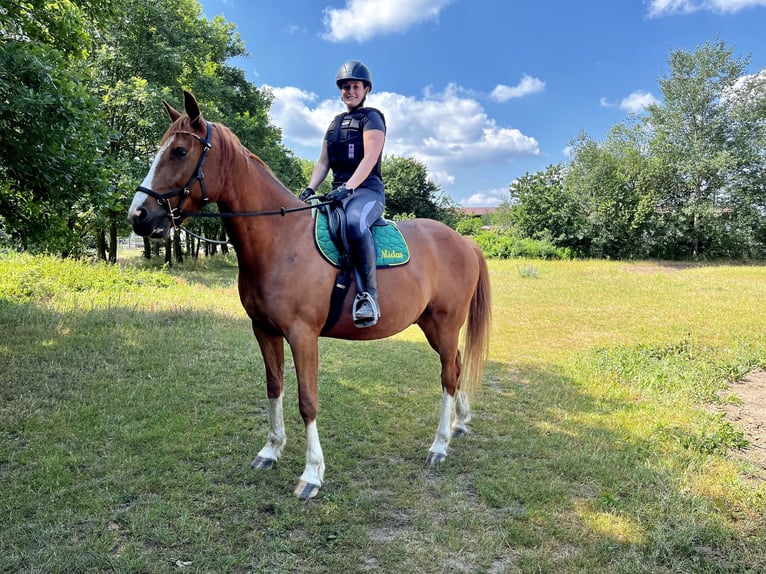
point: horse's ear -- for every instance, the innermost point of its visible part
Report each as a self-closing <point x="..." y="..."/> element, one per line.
<point x="172" y="112"/>
<point x="192" y="109"/>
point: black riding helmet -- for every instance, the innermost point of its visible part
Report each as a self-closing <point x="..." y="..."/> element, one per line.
<point x="354" y="70"/>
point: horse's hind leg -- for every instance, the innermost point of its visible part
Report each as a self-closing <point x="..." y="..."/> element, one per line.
<point x="462" y="414"/>
<point x="445" y="342"/>
<point x="272" y="349"/>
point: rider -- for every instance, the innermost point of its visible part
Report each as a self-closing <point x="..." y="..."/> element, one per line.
<point x="353" y="149"/>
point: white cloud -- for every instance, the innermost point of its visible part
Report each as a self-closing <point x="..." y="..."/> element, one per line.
<point x="448" y="130"/>
<point x="300" y="123"/>
<point x="445" y="131"/>
<point x="638" y="101"/>
<point x="663" y="7"/>
<point x="527" y="85"/>
<point x="360" y="20"/>
<point x="441" y="178"/>
<point x="605" y="103"/>
<point x="488" y="198"/>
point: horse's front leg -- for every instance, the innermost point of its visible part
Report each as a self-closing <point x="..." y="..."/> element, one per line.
<point x="438" y="451"/>
<point x="305" y="351"/>
<point x="272" y="349"/>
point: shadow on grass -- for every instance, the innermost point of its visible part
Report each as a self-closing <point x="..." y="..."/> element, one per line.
<point x="127" y="436"/>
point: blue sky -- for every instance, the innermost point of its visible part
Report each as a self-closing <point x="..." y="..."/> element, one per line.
<point x="480" y="91"/>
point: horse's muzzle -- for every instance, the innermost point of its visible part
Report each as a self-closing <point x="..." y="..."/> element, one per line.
<point x="148" y="224"/>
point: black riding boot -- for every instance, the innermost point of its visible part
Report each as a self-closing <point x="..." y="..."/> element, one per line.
<point x="366" y="308"/>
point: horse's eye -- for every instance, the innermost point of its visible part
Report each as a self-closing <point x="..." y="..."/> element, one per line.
<point x="179" y="152"/>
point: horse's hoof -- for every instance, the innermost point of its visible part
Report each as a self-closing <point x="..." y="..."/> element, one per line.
<point x="306" y="491"/>
<point x="261" y="463"/>
<point x="435" y="458"/>
<point x="459" y="432"/>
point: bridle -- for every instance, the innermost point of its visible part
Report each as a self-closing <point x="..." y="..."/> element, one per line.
<point x="177" y="213"/>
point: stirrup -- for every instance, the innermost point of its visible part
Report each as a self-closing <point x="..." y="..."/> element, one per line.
<point x="365" y="321"/>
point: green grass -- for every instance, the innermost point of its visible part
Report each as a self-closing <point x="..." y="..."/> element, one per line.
<point x="132" y="402"/>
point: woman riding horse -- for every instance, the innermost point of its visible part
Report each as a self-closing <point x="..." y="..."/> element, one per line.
<point x="352" y="149"/>
<point x="273" y="235"/>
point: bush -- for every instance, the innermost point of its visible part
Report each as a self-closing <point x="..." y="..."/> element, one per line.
<point x="498" y="245"/>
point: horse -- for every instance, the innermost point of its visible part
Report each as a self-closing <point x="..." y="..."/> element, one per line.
<point x="285" y="285"/>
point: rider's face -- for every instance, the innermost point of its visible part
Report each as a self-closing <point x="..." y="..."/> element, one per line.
<point x="352" y="92"/>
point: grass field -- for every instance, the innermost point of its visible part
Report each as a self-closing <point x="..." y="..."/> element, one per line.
<point x="132" y="402"/>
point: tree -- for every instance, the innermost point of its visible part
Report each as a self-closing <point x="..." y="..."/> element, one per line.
<point x="541" y="207"/>
<point x="81" y="86"/>
<point x="409" y="191"/>
<point x="617" y="187"/>
<point x="693" y="131"/>
<point x="685" y="179"/>
<point x="51" y="133"/>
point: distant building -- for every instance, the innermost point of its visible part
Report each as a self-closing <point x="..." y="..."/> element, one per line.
<point x="478" y="211"/>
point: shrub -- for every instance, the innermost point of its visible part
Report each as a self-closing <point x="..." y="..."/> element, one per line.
<point x="499" y="245"/>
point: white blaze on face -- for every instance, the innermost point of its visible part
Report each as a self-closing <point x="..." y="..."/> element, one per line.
<point x="140" y="197"/>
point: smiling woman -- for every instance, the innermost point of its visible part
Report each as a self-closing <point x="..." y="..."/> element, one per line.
<point x="353" y="150"/>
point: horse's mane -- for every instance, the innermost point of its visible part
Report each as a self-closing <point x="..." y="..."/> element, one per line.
<point x="228" y="147"/>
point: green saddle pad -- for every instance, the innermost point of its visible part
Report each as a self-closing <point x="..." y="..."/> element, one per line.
<point x="389" y="241"/>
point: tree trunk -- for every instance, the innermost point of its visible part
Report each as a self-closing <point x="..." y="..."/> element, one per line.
<point x="113" y="240"/>
<point x="101" y="244"/>
<point x="177" y="245"/>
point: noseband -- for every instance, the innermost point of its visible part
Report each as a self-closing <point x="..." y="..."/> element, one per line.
<point x="175" y="213"/>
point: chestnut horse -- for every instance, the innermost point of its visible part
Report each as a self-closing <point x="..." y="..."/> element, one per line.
<point x="285" y="285"/>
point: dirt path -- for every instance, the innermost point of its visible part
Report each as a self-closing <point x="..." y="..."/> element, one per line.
<point x="749" y="413"/>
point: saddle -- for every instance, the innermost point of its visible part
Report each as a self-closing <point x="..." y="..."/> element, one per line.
<point x="330" y="240"/>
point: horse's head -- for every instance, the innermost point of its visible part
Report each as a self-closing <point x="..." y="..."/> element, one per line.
<point x="175" y="181"/>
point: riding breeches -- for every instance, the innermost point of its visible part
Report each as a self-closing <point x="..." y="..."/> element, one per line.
<point x="363" y="208"/>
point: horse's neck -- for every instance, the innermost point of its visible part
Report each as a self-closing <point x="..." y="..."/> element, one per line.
<point x="253" y="189"/>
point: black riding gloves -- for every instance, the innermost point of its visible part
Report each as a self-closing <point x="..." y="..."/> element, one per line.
<point x="306" y="193"/>
<point x="339" y="193"/>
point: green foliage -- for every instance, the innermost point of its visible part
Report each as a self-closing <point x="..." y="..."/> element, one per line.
<point x="51" y="139"/>
<point x="542" y="208"/>
<point x="410" y="191"/>
<point x="682" y="181"/>
<point x="80" y="119"/>
<point x="470" y="226"/>
<point x="503" y="245"/>
<point x="29" y="278"/>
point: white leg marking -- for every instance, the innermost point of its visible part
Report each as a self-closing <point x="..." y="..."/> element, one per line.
<point x="277" y="437"/>
<point x="462" y="415"/>
<point x="314" y="472"/>
<point x="312" y="477"/>
<point x="438" y="451"/>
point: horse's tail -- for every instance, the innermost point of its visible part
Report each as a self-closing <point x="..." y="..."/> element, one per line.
<point x="477" y="329"/>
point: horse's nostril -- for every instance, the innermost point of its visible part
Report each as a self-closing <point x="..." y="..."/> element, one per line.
<point x="137" y="215"/>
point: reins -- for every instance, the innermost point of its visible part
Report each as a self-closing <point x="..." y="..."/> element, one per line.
<point x="281" y="211"/>
<point x="177" y="213"/>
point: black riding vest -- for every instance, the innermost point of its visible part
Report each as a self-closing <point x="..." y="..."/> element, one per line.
<point x="345" y="145"/>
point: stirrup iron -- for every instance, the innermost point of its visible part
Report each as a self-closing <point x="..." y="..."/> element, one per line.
<point x="365" y="321"/>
